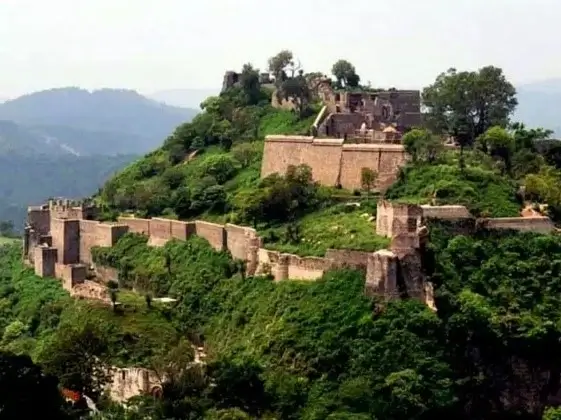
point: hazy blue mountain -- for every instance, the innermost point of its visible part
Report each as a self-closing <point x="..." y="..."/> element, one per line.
<point x="539" y="105"/>
<point x="106" y="121"/>
<point x="67" y="142"/>
<point x="189" y="98"/>
<point x="28" y="180"/>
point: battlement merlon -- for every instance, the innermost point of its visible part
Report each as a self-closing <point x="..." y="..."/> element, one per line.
<point x="72" y="209"/>
<point x="68" y="204"/>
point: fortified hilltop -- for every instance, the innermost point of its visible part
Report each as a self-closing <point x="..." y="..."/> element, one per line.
<point x="353" y="130"/>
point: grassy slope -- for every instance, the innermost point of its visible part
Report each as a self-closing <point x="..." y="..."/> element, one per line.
<point x="480" y="187"/>
<point x="336" y="227"/>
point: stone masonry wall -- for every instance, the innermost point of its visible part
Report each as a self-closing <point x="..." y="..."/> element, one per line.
<point x="331" y="161"/>
<point x="45" y="261"/>
<point x="126" y="383"/>
<point x="39" y="218"/>
<point x="213" y="233"/>
<point x="88" y="239"/>
<point x="72" y="241"/>
<point x="348" y="258"/>
<point x="66" y="239"/>
<point x="521" y="224"/>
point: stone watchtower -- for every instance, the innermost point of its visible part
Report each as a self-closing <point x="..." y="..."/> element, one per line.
<point x="398" y="272"/>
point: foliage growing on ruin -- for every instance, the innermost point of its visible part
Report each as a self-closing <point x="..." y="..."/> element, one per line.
<point x="49" y="314"/>
<point x="252" y="325"/>
<point x="316" y="350"/>
<point x="339" y="226"/>
<point x="422" y="145"/>
<point x="478" y="187"/>
<point x="345" y="74"/>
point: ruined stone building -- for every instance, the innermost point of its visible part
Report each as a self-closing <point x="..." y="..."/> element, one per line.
<point x="58" y="240"/>
<point x="353" y="130"/>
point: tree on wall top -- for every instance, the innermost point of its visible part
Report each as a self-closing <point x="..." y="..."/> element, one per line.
<point x="345" y="73"/>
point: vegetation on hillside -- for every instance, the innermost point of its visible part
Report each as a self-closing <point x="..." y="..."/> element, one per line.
<point x="317" y="350"/>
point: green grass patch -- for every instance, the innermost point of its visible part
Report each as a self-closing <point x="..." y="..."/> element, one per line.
<point x="7" y="241"/>
<point x="483" y="191"/>
<point x="340" y="226"/>
<point x="285" y="122"/>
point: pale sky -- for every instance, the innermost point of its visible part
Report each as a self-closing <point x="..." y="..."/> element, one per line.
<point x="151" y="45"/>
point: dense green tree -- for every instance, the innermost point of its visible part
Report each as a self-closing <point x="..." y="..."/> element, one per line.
<point x="552" y="413"/>
<point x="498" y="142"/>
<point x="249" y="81"/>
<point x="26" y="392"/>
<point x="368" y="179"/>
<point x="345" y="73"/>
<point x="466" y="104"/>
<point x="278" y="64"/>
<point x="297" y="91"/>
<point x="79" y="357"/>
<point x="422" y="145"/>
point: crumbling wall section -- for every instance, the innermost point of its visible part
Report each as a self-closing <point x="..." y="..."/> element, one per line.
<point x="106" y="274"/>
<point x="91" y="290"/>
<point x="521" y="224"/>
<point x="288" y="266"/>
<point x="126" y="383"/>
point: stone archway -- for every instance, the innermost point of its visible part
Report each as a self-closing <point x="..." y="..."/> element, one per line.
<point x="156" y="391"/>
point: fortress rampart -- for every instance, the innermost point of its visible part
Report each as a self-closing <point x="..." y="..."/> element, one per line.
<point x="332" y="162"/>
<point x="57" y="245"/>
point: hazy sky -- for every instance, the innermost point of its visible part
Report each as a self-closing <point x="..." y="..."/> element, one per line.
<point x="152" y="45"/>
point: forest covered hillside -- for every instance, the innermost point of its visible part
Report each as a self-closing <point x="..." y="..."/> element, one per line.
<point x="313" y="350"/>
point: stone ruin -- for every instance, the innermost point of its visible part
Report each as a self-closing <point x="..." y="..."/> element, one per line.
<point x="353" y="130"/>
<point x="58" y="239"/>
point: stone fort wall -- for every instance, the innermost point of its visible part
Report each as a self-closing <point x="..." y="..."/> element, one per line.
<point x="245" y="244"/>
<point x="332" y="162"/>
<point x="64" y="252"/>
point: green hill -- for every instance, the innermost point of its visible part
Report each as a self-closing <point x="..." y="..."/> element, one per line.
<point x="106" y="121"/>
<point x="313" y="350"/>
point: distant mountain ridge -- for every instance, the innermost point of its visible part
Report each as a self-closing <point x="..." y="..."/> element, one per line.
<point x="189" y="98"/>
<point x="539" y="105"/>
<point x="68" y="141"/>
<point x="105" y="121"/>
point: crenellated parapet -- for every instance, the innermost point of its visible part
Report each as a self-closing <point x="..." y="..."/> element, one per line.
<point x="72" y="209"/>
